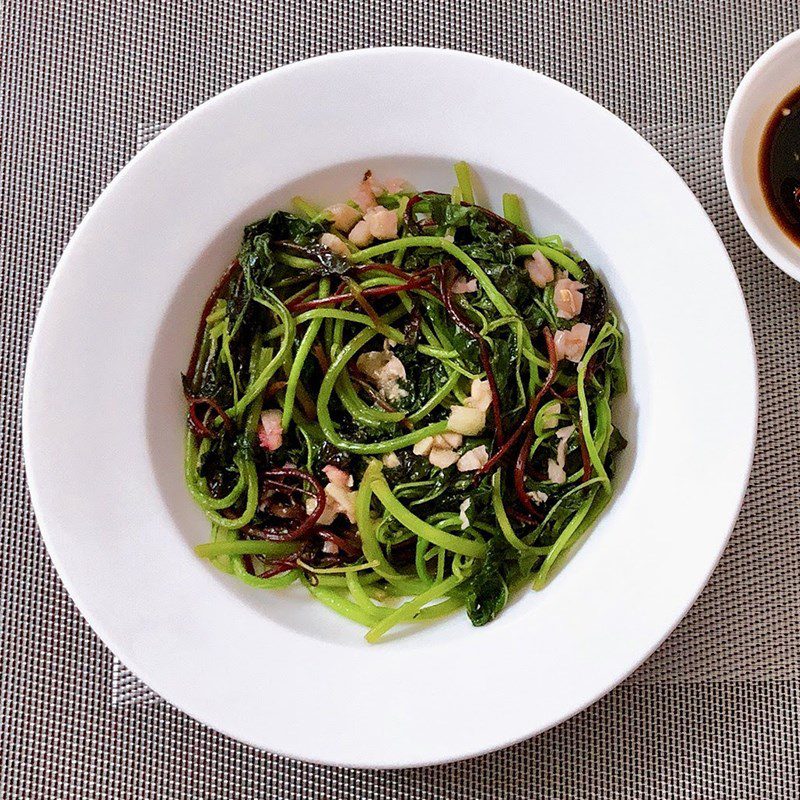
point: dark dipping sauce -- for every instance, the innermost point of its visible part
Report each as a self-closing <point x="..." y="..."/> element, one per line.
<point x="779" y="165"/>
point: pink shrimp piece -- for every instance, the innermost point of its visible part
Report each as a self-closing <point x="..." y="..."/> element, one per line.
<point x="343" y="216"/>
<point x="362" y="195"/>
<point x="462" y="286"/>
<point x="382" y="222"/>
<point x="396" y="185"/>
<point x="270" y="433"/>
<point x="360" y="236"/>
<point x="334" y="244"/>
<point x="338" y="477"/>
<point x="540" y="269"/>
<point x="365" y="193"/>
<point x="571" y="344"/>
<point x="376" y="187"/>
<point x="568" y="298"/>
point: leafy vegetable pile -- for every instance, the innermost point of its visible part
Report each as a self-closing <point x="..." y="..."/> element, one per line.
<point x="406" y="428"/>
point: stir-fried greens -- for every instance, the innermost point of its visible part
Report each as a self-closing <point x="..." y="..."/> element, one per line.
<point x="405" y="427"/>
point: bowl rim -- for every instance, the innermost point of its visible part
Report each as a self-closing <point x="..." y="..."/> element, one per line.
<point x="733" y="175"/>
<point x="173" y="131"/>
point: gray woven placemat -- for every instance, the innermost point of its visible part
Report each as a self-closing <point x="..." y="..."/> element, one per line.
<point x="714" y="714"/>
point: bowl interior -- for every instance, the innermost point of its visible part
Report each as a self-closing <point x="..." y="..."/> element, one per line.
<point x="773" y="77"/>
<point x="293" y="607"/>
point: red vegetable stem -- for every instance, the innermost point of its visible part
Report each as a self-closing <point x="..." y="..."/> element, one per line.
<point x="375" y="266"/>
<point x="222" y="284"/>
<point x="278" y="568"/>
<point x="520" y="237"/>
<point x="486" y="362"/>
<point x="572" y="389"/>
<point x="301" y="295"/>
<point x="587" y="461"/>
<point x="280" y="534"/>
<point x="284" y="487"/>
<point x="274" y="387"/>
<point x="531" y="413"/>
<point x="197" y="424"/>
<point x="446" y="273"/>
<point x="375" y="291"/>
<point x="525" y="518"/>
<point x="521" y="464"/>
<point x="366" y="306"/>
<point x="322" y="357"/>
<point x="351" y="548"/>
<point x="519" y="472"/>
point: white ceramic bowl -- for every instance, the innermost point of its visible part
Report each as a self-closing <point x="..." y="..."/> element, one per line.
<point x="774" y="76"/>
<point x="103" y="413"/>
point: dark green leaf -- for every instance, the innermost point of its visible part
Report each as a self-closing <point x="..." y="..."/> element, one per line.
<point x="487" y="592"/>
<point x="594" y="311"/>
<point x="502" y="363"/>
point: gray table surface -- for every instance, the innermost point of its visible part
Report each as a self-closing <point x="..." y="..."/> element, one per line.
<point x="715" y="713"/>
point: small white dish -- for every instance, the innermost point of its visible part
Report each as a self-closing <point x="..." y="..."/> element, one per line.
<point x="769" y="81"/>
<point x="103" y="412"/>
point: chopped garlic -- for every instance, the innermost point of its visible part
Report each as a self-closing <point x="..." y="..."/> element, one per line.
<point x="385" y="370"/>
<point x="343" y="216"/>
<point x="373" y="184"/>
<point x="462" y="513"/>
<point x="466" y="421"/>
<point x="563" y="434"/>
<point x="344" y="500"/>
<point x="480" y="396"/>
<point x="360" y="236"/>
<point x="473" y="459"/>
<point x="442" y="457"/>
<point x="423" y="446"/>
<point x="339" y="497"/>
<point x="538" y="496"/>
<point x="334" y="244"/>
<point x="448" y="439"/>
<point x="439" y="449"/>
<point x="364" y="195"/>
<point x="555" y="472"/>
<point x="396" y="185"/>
<point x="329" y="513"/>
<point x="390" y="460"/>
<point x="470" y="419"/>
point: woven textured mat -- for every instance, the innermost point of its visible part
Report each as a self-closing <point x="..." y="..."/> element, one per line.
<point x="715" y="713"/>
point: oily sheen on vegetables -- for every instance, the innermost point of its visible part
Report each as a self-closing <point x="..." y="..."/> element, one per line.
<point x="402" y="402"/>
